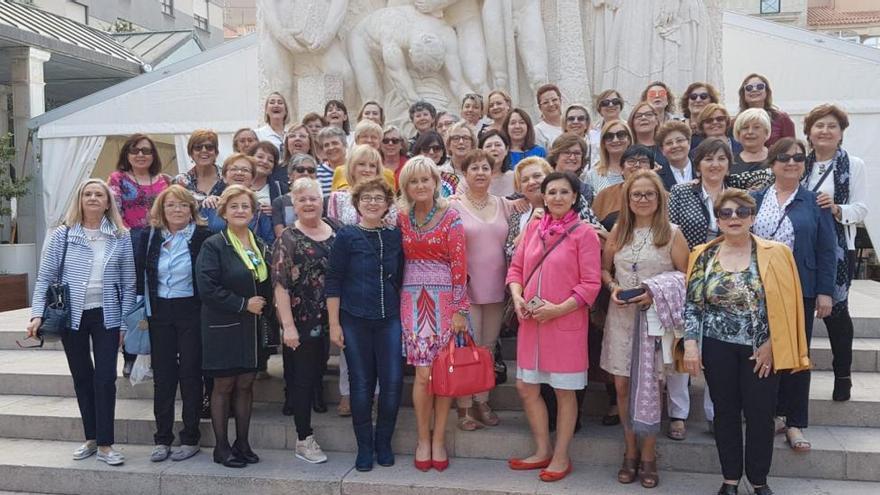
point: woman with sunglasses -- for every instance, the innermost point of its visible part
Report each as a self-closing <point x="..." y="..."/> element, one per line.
<point x="789" y="213"/>
<point x="276" y="115"/>
<point x="741" y="331"/>
<point x="393" y="151"/>
<point x="642" y="245"/>
<point x="616" y="138"/>
<point x="755" y="92"/>
<point x="660" y="97"/>
<point x="694" y="100"/>
<point x="714" y="122"/>
<point x="843" y="191"/>
<point x="204" y="175"/>
<point x="430" y="145"/>
<point x="137" y="181"/>
<point x="609" y="107"/>
<point x="283" y="211"/>
<point x="519" y="129"/>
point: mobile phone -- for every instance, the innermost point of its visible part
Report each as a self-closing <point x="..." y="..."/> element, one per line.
<point x="626" y="295"/>
<point x="534" y="303"/>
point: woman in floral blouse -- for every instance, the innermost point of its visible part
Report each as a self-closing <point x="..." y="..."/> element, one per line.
<point x="299" y="262"/>
<point x="137" y="180"/>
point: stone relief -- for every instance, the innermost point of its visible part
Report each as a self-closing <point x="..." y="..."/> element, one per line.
<point x="400" y="51"/>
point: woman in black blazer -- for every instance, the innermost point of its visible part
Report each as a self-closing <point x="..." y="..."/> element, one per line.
<point x="168" y="257"/>
<point x="234" y="285"/>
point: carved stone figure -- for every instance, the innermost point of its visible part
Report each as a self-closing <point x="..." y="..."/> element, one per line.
<point x="514" y="28"/>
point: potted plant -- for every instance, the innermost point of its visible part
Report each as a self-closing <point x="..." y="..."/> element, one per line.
<point x="13" y="256"/>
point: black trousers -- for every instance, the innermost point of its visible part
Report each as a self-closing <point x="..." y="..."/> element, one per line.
<point x="736" y="390"/>
<point x="840" y="331"/>
<point x="176" y="344"/>
<point x="794" y="388"/>
<point x="94" y="383"/>
<point x="302" y="371"/>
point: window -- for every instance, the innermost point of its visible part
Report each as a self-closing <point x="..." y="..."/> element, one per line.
<point x="771" y="6"/>
<point x="200" y="22"/>
<point x="168" y="7"/>
<point x="200" y="14"/>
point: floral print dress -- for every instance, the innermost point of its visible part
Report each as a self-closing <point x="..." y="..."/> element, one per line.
<point x="434" y="285"/>
<point x="134" y="200"/>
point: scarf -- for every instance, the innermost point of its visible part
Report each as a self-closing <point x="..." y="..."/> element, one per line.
<point x="840" y="164"/>
<point x="550" y="225"/>
<point x="253" y="260"/>
<point x="645" y="406"/>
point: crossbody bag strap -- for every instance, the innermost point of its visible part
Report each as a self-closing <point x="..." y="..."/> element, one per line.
<point x="822" y="179"/>
<point x="58" y="279"/>
<point x="548" y="251"/>
<point x="787" y="209"/>
<point x="147" y="310"/>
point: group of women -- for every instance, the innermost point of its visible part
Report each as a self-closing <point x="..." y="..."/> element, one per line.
<point x="631" y="249"/>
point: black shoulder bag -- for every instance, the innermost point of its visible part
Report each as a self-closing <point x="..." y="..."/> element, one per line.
<point x="56" y="311"/>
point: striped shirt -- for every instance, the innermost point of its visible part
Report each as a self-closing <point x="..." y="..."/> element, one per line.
<point x="118" y="277"/>
<point x="324" y="174"/>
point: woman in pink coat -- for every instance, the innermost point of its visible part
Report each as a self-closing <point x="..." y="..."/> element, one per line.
<point x="554" y="277"/>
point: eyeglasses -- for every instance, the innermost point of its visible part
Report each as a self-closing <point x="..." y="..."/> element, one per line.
<point x="372" y="199"/>
<point x="675" y="142"/>
<point x="240" y="169"/>
<point x="797" y="157"/>
<point x="576" y="118"/>
<point x="571" y="154"/>
<point x="620" y="135"/>
<point x="740" y="212"/>
<point x="644" y="115"/>
<point x="643" y="196"/>
<point x="455" y="139"/>
<point x="304" y="170"/>
<point x="611" y="102"/>
<point x="146" y="151"/>
<point x="721" y="119"/>
<point x="391" y="141"/>
<point x="698" y="96"/>
<point x="433" y="148"/>
<point x="755" y="87"/>
<point x="657" y="93"/>
<point x="204" y="147"/>
<point x="642" y="162"/>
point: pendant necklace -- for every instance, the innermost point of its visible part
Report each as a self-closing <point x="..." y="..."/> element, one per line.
<point x="637" y="248"/>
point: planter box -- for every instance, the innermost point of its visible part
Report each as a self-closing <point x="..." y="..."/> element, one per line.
<point x="13" y="292"/>
<point x="19" y="258"/>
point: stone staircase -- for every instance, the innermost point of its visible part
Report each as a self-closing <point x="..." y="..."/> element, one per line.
<point x="40" y="426"/>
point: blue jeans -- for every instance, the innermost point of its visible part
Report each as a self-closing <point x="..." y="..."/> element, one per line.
<point x="374" y="351"/>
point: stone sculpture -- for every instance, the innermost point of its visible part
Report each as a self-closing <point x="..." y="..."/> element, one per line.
<point x="515" y="34"/>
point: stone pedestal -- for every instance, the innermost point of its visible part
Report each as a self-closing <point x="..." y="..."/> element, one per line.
<point x="312" y="92"/>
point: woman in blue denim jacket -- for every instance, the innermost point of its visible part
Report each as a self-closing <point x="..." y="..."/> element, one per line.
<point x="363" y="302"/>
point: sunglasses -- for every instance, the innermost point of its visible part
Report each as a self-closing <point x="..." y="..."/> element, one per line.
<point x="620" y="135"/>
<point x="657" y="93"/>
<point x="715" y="120"/>
<point x="698" y="96"/>
<point x="391" y="141"/>
<point x="611" y="102"/>
<point x="433" y="148"/>
<point x="797" y="157"/>
<point x="204" y="147"/>
<point x="576" y="118"/>
<point x="304" y="170"/>
<point x="146" y="151"/>
<point x="740" y="212"/>
<point x="755" y="87"/>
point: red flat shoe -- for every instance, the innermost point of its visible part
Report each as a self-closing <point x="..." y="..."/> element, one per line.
<point x="440" y="465"/>
<point x="550" y="476"/>
<point x="423" y="466"/>
<point x="521" y="465"/>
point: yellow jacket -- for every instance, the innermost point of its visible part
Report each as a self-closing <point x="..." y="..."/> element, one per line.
<point x="785" y="303"/>
<point x="340" y="182"/>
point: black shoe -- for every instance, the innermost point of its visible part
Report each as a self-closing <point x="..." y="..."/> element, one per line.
<point x="206" y="408"/>
<point x="287" y="409"/>
<point x="842" y="387"/>
<point x="228" y="459"/>
<point x="318" y="404"/>
<point x="727" y="489"/>
<point x="764" y="490"/>
<point x="126" y="368"/>
<point x="247" y="455"/>
<point x="611" y="420"/>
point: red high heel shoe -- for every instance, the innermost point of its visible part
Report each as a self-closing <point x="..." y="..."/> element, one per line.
<point x="550" y="476"/>
<point x="423" y="466"/>
<point x="521" y="465"/>
<point x="440" y="465"/>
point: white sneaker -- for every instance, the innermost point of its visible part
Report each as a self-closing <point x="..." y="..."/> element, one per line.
<point x="111" y="457"/>
<point x="309" y="450"/>
<point x="85" y="450"/>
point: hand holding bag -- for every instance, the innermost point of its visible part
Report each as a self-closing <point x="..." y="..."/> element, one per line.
<point x="56" y="312"/>
<point x="137" y="336"/>
<point x="462" y="371"/>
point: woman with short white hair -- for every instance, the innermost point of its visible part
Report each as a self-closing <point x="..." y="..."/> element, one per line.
<point x="751" y="128"/>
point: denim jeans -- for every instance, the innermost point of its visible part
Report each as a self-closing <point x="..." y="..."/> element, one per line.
<point x="373" y="349"/>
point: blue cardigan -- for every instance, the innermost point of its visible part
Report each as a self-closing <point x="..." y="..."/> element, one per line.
<point x="814" y="242"/>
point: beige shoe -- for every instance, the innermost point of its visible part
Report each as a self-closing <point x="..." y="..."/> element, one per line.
<point x="344" y="407"/>
<point x="484" y="414"/>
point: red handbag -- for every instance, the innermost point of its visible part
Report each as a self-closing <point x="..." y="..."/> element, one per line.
<point x="462" y="371"/>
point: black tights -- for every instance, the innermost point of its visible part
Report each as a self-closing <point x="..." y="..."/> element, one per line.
<point x="238" y="390"/>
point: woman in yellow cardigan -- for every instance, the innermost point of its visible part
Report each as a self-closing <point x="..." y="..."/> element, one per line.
<point x="744" y="314"/>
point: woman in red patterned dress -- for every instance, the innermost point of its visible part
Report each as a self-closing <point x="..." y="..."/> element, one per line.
<point x="434" y="302"/>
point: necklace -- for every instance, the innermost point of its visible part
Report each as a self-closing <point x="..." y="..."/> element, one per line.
<point x="481" y="205"/>
<point x="420" y="226"/>
<point x="637" y="247"/>
<point x="370" y="229"/>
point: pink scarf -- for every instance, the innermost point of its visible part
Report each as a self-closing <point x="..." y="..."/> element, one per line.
<point x="550" y="225"/>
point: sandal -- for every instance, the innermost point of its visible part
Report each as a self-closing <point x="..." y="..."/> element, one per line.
<point x="677" y="430"/>
<point x="484" y="414"/>
<point x="628" y="470"/>
<point x="648" y="474"/>
<point x="779" y="424"/>
<point x="795" y="438"/>
<point x="466" y="422"/>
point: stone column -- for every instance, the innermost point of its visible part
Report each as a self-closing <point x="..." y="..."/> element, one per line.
<point x="4" y="109"/>
<point x="566" y="47"/>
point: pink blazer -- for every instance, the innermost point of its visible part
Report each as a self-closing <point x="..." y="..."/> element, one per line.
<point x="573" y="268"/>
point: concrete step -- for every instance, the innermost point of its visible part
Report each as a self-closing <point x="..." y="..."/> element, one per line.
<point x="45" y="465"/>
<point x="45" y="373"/>
<point x="842" y="453"/>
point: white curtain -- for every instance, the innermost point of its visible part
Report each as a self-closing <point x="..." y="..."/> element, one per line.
<point x="183" y="160"/>
<point x="65" y="163"/>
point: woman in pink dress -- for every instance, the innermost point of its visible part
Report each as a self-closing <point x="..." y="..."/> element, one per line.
<point x="484" y="217"/>
<point x="434" y="302"/>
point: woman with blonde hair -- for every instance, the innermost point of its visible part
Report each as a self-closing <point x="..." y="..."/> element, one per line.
<point x="91" y="252"/>
<point x="751" y="128"/>
<point x="276" y="116"/>
<point x="498" y="105"/>
<point x="342" y="176"/>
<point x="616" y="138"/>
<point x="434" y="302"/>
